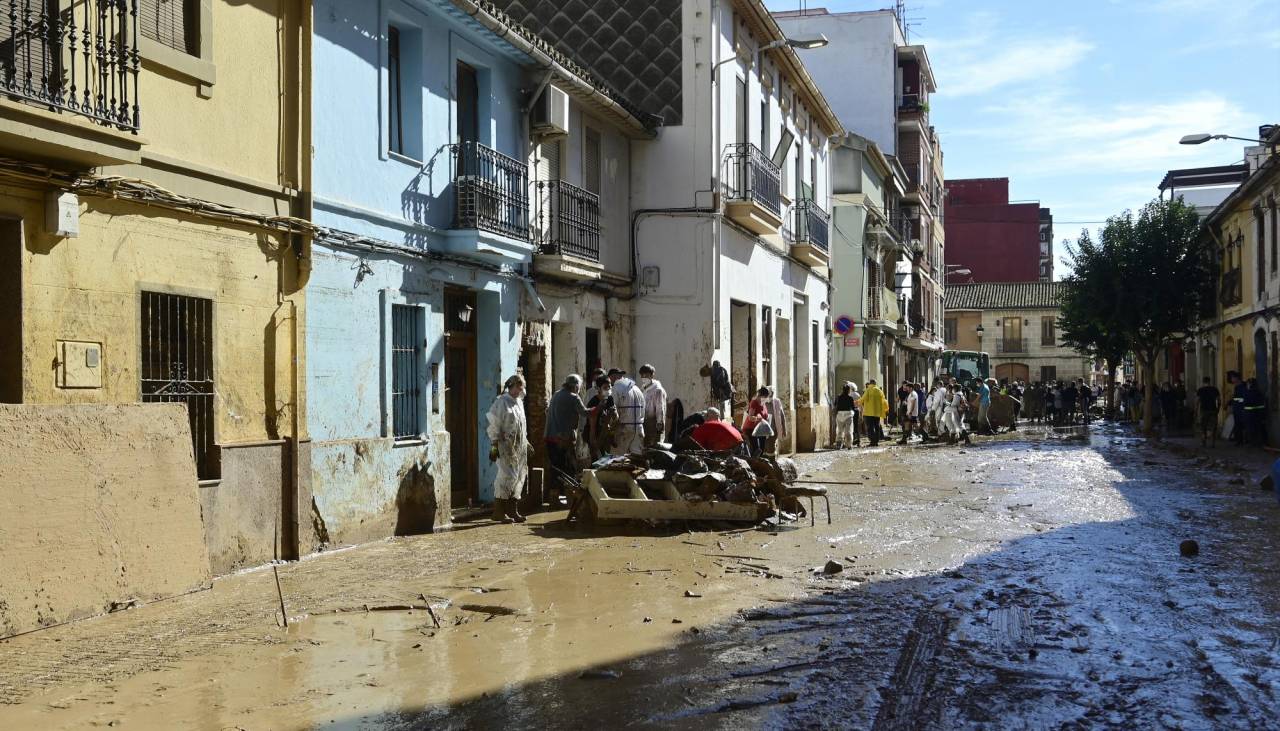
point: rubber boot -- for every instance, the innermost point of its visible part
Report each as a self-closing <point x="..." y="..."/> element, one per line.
<point x="499" y="509"/>
<point x="513" y="512"/>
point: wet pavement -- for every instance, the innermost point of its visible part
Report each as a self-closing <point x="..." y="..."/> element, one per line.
<point x="1029" y="581"/>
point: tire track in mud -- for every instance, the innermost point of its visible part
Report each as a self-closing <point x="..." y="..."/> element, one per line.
<point x="911" y="701"/>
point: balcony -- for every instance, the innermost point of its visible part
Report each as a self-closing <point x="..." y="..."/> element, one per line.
<point x="896" y="232"/>
<point x="566" y="231"/>
<point x="69" y="81"/>
<point x="812" y="232"/>
<point x="1012" y="346"/>
<point x="1229" y="294"/>
<point x="490" y="204"/>
<point x="753" y="189"/>
<point x="883" y="311"/>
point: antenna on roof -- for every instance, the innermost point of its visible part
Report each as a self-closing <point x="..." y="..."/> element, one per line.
<point x="907" y="23"/>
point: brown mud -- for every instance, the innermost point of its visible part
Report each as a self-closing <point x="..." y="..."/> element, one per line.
<point x="1029" y="581"/>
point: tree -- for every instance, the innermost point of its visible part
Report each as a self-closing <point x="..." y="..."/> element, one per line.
<point x="1085" y="307"/>
<point x="1147" y="281"/>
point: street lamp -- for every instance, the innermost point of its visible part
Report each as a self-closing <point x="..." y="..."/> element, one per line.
<point x="1202" y="137"/>
<point x="981" y="331"/>
<point x="963" y="272"/>
<point x="806" y="44"/>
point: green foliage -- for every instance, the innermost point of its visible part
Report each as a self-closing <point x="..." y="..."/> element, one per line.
<point x="1147" y="280"/>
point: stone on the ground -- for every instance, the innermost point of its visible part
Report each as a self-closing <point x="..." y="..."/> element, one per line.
<point x="1189" y="548"/>
<point x="833" y="567"/>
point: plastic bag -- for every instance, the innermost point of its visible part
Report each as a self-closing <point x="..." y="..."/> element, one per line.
<point x="1228" y="425"/>
<point x="762" y="430"/>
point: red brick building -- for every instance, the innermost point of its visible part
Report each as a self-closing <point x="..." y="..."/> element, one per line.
<point x="997" y="241"/>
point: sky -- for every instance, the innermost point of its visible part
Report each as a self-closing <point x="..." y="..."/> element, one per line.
<point x="1081" y="104"/>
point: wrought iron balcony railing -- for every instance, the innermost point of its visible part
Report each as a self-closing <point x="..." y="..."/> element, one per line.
<point x="813" y="225"/>
<point x="900" y="226"/>
<point x="490" y="191"/>
<point x="750" y="175"/>
<point x="566" y="220"/>
<point x="1012" y="345"/>
<point x="77" y="57"/>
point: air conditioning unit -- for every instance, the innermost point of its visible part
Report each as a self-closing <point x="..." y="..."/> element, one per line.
<point x="550" y="116"/>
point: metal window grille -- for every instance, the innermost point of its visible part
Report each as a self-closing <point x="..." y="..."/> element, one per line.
<point x="82" y="58"/>
<point x="406" y="381"/>
<point x="169" y="22"/>
<point x="177" y="365"/>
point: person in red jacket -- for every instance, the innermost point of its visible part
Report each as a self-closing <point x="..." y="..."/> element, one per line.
<point x="716" y="435"/>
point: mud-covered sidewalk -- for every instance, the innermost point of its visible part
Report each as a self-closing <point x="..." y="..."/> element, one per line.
<point x="1030" y="581"/>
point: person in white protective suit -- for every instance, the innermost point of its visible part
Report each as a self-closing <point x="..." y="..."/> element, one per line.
<point x="628" y="399"/>
<point x="510" y="449"/>
<point x="953" y="416"/>
<point x="938" y="407"/>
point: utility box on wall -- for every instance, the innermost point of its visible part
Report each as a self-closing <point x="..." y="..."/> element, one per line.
<point x="79" y="364"/>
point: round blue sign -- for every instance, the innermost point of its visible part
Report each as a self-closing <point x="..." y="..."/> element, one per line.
<point x="844" y="324"/>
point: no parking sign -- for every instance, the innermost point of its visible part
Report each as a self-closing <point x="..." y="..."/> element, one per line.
<point x="843" y="325"/>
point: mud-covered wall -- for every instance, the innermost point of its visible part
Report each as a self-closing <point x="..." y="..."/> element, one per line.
<point x="100" y="508"/>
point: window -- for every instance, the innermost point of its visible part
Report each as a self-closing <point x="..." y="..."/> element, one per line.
<point x="740" y="104"/>
<point x="1048" y="333"/>
<point x="764" y="126"/>
<point x="1275" y="233"/>
<point x="395" y="97"/>
<point x="1258" y="241"/>
<point x="813" y="176"/>
<point x="813" y="363"/>
<point x="1048" y="374"/>
<point x="406" y="376"/>
<point x="593" y="350"/>
<point x="766" y="342"/>
<point x="171" y="23"/>
<point x="949" y="330"/>
<point x="177" y="366"/>
<point x="468" y="98"/>
<point x="591" y="160"/>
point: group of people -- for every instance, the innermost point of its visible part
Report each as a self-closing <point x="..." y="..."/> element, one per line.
<point x="939" y="413"/>
<point x="1058" y="402"/>
<point x="622" y="416"/>
<point x="1245" y="418"/>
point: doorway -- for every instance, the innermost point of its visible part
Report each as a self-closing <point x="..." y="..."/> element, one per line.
<point x="10" y="312"/>
<point x="468" y="101"/>
<point x="741" y="356"/>
<point x="460" y="396"/>
<point x="1013" y="372"/>
<point x="593" y="352"/>
<point x="1260" y="358"/>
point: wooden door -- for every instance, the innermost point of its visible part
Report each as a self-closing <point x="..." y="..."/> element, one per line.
<point x="461" y="409"/>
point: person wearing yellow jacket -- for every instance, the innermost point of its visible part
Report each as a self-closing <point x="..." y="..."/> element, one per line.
<point x="874" y="406"/>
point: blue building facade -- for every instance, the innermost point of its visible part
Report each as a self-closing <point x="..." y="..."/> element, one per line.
<point x="415" y="293"/>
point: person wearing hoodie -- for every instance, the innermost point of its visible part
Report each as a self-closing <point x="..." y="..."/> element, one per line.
<point x="655" y="406"/>
<point x="846" y="414"/>
<point x="874" y="407"/>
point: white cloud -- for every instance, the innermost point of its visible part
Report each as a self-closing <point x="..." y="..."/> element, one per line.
<point x="1026" y="60"/>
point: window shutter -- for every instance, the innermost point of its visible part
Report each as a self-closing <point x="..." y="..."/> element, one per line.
<point x="591" y="161"/>
<point x="169" y="22"/>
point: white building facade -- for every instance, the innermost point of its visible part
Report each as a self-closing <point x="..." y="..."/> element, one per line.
<point x="731" y="223"/>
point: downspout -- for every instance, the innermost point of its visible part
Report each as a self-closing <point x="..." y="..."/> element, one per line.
<point x="526" y="122"/>
<point x="302" y="208"/>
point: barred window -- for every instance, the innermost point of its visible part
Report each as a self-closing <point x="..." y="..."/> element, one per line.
<point x="1048" y="331"/>
<point x="171" y="23"/>
<point x="406" y="376"/>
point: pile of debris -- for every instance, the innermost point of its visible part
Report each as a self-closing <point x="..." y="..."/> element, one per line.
<point x="703" y="476"/>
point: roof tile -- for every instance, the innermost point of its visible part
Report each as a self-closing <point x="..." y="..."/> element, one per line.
<point x="1003" y="296"/>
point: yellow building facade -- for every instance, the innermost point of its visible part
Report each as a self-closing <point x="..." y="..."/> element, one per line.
<point x="153" y="242"/>
<point x="1245" y="232"/>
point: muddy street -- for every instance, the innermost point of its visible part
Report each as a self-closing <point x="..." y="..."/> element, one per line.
<point x="1032" y="581"/>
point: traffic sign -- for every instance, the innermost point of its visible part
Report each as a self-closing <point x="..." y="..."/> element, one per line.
<point x="844" y="324"/>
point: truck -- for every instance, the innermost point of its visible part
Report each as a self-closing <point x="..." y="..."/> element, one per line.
<point x="967" y="366"/>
